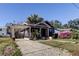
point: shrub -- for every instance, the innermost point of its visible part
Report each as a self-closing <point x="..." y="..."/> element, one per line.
<point x="17" y="53"/>
<point x="75" y="34"/>
<point x="9" y="48"/>
<point x="65" y="35"/>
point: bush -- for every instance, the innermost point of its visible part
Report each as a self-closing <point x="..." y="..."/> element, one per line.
<point x="75" y="34"/>
<point x="17" y="53"/>
<point x="9" y="48"/>
<point x="65" y="35"/>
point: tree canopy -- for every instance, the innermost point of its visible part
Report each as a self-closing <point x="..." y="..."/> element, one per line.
<point x="56" y="23"/>
<point x="74" y="23"/>
<point x="33" y="19"/>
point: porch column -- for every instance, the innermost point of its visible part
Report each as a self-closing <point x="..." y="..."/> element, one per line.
<point x="24" y="33"/>
<point x="29" y="31"/>
<point x="12" y="33"/>
<point x="48" y="32"/>
<point x="40" y="32"/>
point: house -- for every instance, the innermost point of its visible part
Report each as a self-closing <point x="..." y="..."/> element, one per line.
<point x="44" y="30"/>
<point x="3" y="31"/>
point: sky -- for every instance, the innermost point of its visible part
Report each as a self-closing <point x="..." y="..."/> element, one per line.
<point x="49" y="11"/>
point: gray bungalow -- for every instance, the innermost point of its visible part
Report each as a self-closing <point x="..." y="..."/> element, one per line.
<point x="3" y="31"/>
<point x="44" y="29"/>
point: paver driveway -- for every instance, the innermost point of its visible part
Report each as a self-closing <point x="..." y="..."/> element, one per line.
<point x="34" y="48"/>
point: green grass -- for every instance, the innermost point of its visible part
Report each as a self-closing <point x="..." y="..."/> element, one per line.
<point x="8" y="42"/>
<point x="71" y="47"/>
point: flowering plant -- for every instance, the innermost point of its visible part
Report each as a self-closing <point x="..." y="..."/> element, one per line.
<point x="65" y="34"/>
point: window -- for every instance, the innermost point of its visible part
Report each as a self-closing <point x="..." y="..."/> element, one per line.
<point x="0" y="29"/>
<point x="2" y="33"/>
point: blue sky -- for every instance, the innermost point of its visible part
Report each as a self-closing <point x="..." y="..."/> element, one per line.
<point x="20" y="12"/>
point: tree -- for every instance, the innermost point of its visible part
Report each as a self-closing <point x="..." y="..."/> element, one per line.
<point x="33" y="19"/>
<point x="35" y="34"/>
<point x="65" y="26"/>
<point x="56" y="24"/>
<point x="74" y="23"/>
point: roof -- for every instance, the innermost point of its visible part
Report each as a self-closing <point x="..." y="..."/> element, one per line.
<point x="26" y="26"/>
<point x="69" y="29"/>
<point x="40" y="24"/>
<point x="46" y="23"/>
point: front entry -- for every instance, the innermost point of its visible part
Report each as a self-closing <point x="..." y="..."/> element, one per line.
<point x="43" y="32"/>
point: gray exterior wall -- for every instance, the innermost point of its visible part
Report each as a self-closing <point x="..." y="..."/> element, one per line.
<point x="3" y="31"/>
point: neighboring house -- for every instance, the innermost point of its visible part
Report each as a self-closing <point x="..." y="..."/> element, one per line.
<point x="3" y="31"/>
<point x="25" y="30"/>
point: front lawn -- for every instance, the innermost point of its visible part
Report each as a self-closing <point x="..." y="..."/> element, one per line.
<point x="70" y="45"/>
<point x="8" y="47"/>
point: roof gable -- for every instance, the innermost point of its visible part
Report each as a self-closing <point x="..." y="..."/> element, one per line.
<point x="44" y="24"/>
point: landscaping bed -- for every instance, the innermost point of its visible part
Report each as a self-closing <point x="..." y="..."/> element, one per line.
<point x="8" y="47"/>
<point x="73" y="48"/>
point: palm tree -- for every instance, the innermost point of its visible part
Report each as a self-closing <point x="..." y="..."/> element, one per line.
<point x="33" y="19"/>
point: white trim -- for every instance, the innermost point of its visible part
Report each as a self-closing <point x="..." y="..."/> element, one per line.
<point x="43" y="23"/>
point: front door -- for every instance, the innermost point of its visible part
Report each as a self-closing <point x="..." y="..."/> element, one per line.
<point x="43" y="32"/>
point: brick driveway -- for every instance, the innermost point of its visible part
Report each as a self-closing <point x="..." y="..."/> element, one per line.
<point x="34" y="48"/>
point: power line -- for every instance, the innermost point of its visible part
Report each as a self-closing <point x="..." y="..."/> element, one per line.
<point x="75" y="5"/>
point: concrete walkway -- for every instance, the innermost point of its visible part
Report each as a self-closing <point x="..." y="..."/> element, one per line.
<point x="34" y="48"/>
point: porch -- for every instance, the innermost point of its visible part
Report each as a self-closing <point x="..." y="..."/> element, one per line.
<point x="41" y="30"/>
